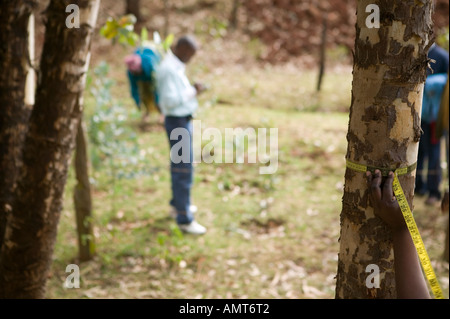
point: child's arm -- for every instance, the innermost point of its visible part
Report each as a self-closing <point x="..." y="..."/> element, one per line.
<point x="409" y="279"/>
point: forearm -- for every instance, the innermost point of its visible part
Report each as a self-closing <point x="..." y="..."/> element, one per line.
<point x="408" y="274"/>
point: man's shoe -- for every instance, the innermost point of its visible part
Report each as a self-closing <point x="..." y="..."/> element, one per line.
<point x="193" y="228"/>
<point x="173" y="211"/>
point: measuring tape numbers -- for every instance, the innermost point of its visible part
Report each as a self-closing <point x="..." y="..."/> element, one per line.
<point x="409" y="219"/>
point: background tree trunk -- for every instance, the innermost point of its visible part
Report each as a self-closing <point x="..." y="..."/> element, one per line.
<point x="133" y="7"/>
<point x="82" y="197"/>
<point x="166" y="18"/>
<point x="446" y="243"/>
<point x="323" y="48"/>
<point x="234" y="15"/>
<point x="31" y="228"/>
<point x="14" y="112"/>
<point x="384" y="130"/>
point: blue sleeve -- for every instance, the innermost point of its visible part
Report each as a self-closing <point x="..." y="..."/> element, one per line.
<point x="134" y="89"/>
<point x="149" y="61"/>
<point x="434" y="87"/>
<point x="441" y="57"/>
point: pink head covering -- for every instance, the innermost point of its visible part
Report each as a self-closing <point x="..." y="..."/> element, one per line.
<point x="134" y="63"/>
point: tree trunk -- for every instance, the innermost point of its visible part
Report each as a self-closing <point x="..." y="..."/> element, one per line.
<point x="444" y="208"/>
<point x="323" y="46"/>
<point x="166" y="18"/>
<point x="133" y="7"/>
<point x="31" y="228"/>
<point x="82" y="198"/>
<point x="446" y="243"/>
<point x="384" y="130"/>
<point x="234" y="14"/>
<point x="14" y="112"/>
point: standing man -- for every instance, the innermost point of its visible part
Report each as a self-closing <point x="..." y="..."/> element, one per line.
<point x="178" y="102"/>
<point x="429" y="145"/>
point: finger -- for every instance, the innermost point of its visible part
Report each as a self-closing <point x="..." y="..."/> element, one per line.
<point x="375" y="189"/>
<point x="369" y="178"/>
<point x="387" y="188"/>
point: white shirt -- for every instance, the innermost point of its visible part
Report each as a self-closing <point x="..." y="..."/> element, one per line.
<point x="177" y="97"/>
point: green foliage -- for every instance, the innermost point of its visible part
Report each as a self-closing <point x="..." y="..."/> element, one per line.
<point x="337" y="53"/>
<point x="256" y="48"/>
<point x="113" y="140"/>
<point x="144" y="35"/>
<point x="442" y="38"/>
<point x="213" y="26"/>
<point x="169" y="244"/>
<point x="121" y="30"/>
<point x="168" y="42"/>
<point x="217" y="28"/>
<point x="162" y="47"/>
<point x="114" y="145"/>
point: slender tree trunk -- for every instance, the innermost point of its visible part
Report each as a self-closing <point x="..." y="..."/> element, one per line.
<point x="14" y="112"/>
<point x="234" y="14"/>
<point x="166" y="18"/>
<point x="31" y="228"/>
<point x="323" y="46"/>
<point x="384" y="130"/>
<point x="82" y="197"/>
<point x="445" y="255"/>
<point x="133" y="7"/>
<point x="444" y="208"/>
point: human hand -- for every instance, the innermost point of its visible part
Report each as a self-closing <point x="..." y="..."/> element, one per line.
<point x="200" y="88"/>
<point x="384" y="203"/>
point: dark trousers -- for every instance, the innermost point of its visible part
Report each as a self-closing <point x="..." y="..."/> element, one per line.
<point x="429" y="149"/>
<point x="179" y="132"/>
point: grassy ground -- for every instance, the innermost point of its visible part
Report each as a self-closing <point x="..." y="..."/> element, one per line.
<point x="273" y="236"/>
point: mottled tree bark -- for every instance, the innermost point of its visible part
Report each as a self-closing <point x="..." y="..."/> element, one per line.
<point x="30" y="234"/>
<point x="14" y="112"/>
<point x="384" y="129"/>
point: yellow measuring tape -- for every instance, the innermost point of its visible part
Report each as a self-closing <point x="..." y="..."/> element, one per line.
<point x="409" y="219"/>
